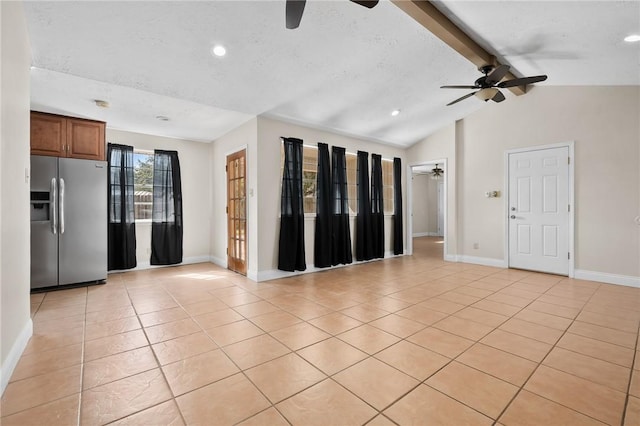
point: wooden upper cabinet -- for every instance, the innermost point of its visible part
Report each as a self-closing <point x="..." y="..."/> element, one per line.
<point x="48" y="134"/>
<point x="85" y="139"/>
<point x="60" y="136"/>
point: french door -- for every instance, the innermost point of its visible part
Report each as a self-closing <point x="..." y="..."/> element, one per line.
<point x="237" y="212"/>
<point x="539" y="210"/>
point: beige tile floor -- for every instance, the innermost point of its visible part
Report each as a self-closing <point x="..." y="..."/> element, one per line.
<point x="409" y="340"/>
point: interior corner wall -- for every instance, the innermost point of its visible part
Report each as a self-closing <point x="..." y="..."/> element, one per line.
<point x="15" y="60"/>
<point x="603" y="123"/>
<point x="442" y="145"/>
<point x="243" y="137"/>
<point x="270" y="178"/>
<point x="194" y="170"/>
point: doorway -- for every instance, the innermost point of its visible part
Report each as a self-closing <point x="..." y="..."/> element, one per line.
<point x="539" y="216"/>
<point x="427" y="206"/>
<point x="237" y="212"/>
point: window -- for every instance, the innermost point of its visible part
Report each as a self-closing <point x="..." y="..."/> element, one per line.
<point x="309" y="173"/>
<point x="387" y="185"/>
<point x="352" y="187"/>
<point x="143" y="184"/>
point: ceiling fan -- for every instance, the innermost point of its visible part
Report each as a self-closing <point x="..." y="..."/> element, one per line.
<point x="294" y="9"/>
<point x="487" y="86"/>
<point x="436" y="173"/>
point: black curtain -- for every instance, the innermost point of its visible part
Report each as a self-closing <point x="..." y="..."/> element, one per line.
<point x="322" y="245"/>
<point x="291" y="254"/>
<point x="340" y="230"/>
<point x="397" y="207"/>
<point x="377" y="207"/>
<point x="122" y="226"/>
<point x="364" y="247"/>
<point x="166" y="226"/>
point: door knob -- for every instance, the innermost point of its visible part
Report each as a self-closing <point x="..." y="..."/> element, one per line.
<point x="513" y="209"/>
<point x="513" y="216"/>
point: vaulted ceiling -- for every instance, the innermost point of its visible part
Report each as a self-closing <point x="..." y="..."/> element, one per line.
<point x="343" y="70"/>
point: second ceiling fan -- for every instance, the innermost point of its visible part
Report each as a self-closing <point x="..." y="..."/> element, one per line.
<point x="295" y="8"/>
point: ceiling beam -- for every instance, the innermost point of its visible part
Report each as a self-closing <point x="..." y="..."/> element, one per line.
<point x="427" y="15"/>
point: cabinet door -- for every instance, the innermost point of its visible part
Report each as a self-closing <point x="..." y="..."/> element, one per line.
<point x="48" y="134"/>
<point x="85" y="139"/>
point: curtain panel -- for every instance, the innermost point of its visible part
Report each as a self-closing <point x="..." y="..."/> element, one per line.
<point x="364" y="247"/>
<point x="340" y="229"/>
<point x="322" y="244"/>
<point x="166" y="225"/>
<point x="291" y="255"/>
<point x="122" y="227"/>
<point x="377" y="207"/>
<point x="397" y="207"/>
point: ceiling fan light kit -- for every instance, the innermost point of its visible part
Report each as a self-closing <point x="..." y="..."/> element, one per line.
<point x="487" y="94"/>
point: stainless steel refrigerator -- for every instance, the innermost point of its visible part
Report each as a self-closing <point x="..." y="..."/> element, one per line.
<point x="68" y="221"/>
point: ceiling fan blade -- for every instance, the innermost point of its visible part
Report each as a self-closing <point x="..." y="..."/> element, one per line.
<point x="368" y="4"/>
<point x="461" y="99"/>
<point x="499" y="97"/>
<point x="293" y="11"/>
<point x="497" y="74"/>
<point x="458" y="87"/>
<point x="522" y="81"/>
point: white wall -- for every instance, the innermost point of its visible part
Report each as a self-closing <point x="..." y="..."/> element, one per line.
<point x="243" y="137"/>
<point x="194" y="168"/>
<point x="15" y="255"/>
<point x="269" y="176"/>
<point x="603" y="122"/>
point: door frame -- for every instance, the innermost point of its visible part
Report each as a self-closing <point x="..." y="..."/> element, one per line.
<point x="409" y="215"/>
<point x="246" y="206"/>
<point x="572" y="211"/>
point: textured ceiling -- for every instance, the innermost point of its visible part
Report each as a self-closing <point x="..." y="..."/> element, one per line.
<point x="344" y="70"/>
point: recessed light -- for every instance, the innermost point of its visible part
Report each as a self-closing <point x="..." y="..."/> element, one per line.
<point x="632" y="38"/>
<point x="162" y="118"/>
<point x="395" y="112"/>
<point x="101" y="103"/>
<point x="219" y="50"/>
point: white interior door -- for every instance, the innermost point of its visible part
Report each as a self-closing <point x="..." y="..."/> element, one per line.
<point x="539" y="210"/>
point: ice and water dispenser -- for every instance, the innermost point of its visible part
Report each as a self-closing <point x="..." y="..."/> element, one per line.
<point x="40" y="206"/>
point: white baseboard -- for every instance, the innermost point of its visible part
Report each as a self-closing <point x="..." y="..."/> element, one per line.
<point x="605" y="277"/>
<point x="252" y="275"/>
<point x="218" y="261"/>
<point x="485" y="261"/>
<point x="185" y="261"/>
<point x="276" y="273"/>
<point x="425" y="234"/>
<point x="14" y="355"/>
<point x="450" y="257"/>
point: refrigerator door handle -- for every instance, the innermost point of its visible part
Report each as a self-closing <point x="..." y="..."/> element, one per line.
<point x="61" y="206"/>
<point x="53" y="208"/>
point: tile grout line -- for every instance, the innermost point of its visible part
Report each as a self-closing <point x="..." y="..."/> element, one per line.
<point x="521" y="388"/>
<point x="631" y="374"/>
<point x="84" y="337"/>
